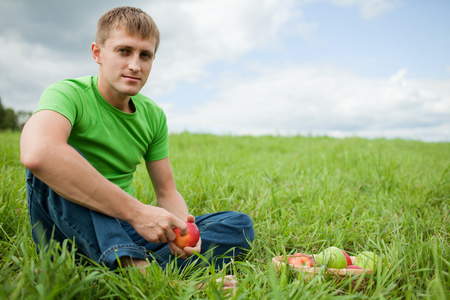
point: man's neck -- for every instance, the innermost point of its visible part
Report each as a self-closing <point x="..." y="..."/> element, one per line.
<point x="126" y="105"/>
<point x="119" y="101"/>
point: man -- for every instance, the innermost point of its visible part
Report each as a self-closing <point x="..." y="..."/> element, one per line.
<point x="81" y="148"/>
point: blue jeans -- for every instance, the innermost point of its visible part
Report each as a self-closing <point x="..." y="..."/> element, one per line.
<point x="103" y="239"/>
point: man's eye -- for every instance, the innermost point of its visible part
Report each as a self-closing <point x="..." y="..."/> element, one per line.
<point x="124" y="51"/>
<point x="145" y="55"/>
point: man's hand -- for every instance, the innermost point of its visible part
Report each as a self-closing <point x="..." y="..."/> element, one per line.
<point x="155" y="224"/>
<point x="160" y="229"/>
<point x="187" y="251"/>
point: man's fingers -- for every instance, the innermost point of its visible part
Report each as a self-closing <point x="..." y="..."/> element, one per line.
<point x="177" y="250"/>
<point x="167" y="234"/>
<point x="160" y="236"/>
<point x="170" y="235"/>
<point x="163" y="239"/>
<point x="181" y="225"/>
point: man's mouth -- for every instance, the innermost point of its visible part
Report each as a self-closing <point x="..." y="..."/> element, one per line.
<point x="131" y="78"/>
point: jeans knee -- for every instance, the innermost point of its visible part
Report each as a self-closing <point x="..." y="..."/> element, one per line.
<point x="245" y="225"/>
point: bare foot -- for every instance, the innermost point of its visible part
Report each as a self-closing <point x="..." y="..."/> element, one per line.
<point x="126" y="261"/>
<point x="229" y="283"/>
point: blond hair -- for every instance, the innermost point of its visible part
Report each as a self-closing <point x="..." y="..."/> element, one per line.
<point x="133" y="20"/>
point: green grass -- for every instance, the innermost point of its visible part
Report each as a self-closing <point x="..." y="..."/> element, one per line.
<point x="304" y="194"/>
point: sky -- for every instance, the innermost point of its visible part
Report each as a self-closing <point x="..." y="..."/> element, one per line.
<point x="340" y="68"/>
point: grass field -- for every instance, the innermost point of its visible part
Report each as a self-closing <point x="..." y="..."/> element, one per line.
<point x="304" y="194"/>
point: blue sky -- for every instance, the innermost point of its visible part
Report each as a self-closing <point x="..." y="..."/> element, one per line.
<point x="415" y="35"/>
<point x="368" y="68"/>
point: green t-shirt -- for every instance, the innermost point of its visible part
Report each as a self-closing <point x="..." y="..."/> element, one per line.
<point x="113" y="141"/>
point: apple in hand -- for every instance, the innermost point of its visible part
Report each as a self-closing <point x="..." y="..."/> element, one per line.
<point x="188" y="240"/>
<point x="332" y="257"/>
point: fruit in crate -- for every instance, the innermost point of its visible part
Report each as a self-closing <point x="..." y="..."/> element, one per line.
<point x="353" y="267"/>
<point x="300" y="259"/>
<point x="366" y="260"/>
<point x="347" y="257"/>
<point x="332" y="257"/>
<point x="337" y="261"/>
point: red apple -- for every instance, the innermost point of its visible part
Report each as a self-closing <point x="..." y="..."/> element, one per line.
<point x="190" y="239"/>
<point x="349" y="260"/>
<point x="298" y="254"/>
<point x="301" y="260"/>
<point x="354" y="267"/>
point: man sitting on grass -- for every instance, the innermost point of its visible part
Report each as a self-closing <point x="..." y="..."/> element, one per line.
<point x="81" y="148"/>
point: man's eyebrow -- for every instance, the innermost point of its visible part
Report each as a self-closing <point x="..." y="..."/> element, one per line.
<point x="125" y="46"/>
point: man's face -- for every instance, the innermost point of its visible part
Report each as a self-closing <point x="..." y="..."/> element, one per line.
<point x="125" y="64"/>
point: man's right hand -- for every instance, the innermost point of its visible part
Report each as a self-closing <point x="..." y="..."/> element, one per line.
<point x="156" y="224"/>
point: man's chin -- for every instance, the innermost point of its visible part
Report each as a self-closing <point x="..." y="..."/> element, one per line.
<point x="131" y="92"/>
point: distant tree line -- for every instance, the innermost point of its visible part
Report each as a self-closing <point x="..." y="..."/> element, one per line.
<point x="11" y="120"/>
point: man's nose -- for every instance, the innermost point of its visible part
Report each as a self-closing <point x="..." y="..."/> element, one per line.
<point x="135" y="64"/>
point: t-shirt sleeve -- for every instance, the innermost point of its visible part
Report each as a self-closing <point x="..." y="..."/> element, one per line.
<point x="159" y="147"/>
<point x="60" y="97"/>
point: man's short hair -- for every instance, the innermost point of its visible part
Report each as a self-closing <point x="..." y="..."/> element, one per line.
<point x="133" y="20"/>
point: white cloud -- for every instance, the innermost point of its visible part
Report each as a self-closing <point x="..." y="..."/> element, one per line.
<point x="28" y="68"/>
<point x="201" y="32"/>
<point x="371" y="8"/>
<point x="399" y="76"/>
<point x="307" y="99"/>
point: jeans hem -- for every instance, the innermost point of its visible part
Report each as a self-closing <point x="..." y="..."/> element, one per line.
<point x="110" y="256"/>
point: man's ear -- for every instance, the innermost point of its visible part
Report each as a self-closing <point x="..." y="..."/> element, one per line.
<point x="96" y="52"/>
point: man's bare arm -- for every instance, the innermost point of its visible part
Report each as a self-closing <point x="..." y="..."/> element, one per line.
<point x="46" y="153"/>
<point x="168" y="197"/>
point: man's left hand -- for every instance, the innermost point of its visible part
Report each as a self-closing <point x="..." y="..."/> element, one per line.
<point x="187" y="251"/>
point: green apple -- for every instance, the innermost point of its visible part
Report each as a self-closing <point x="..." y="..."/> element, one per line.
<point x="332" y="257"/>
<point x="366" y="260"/>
